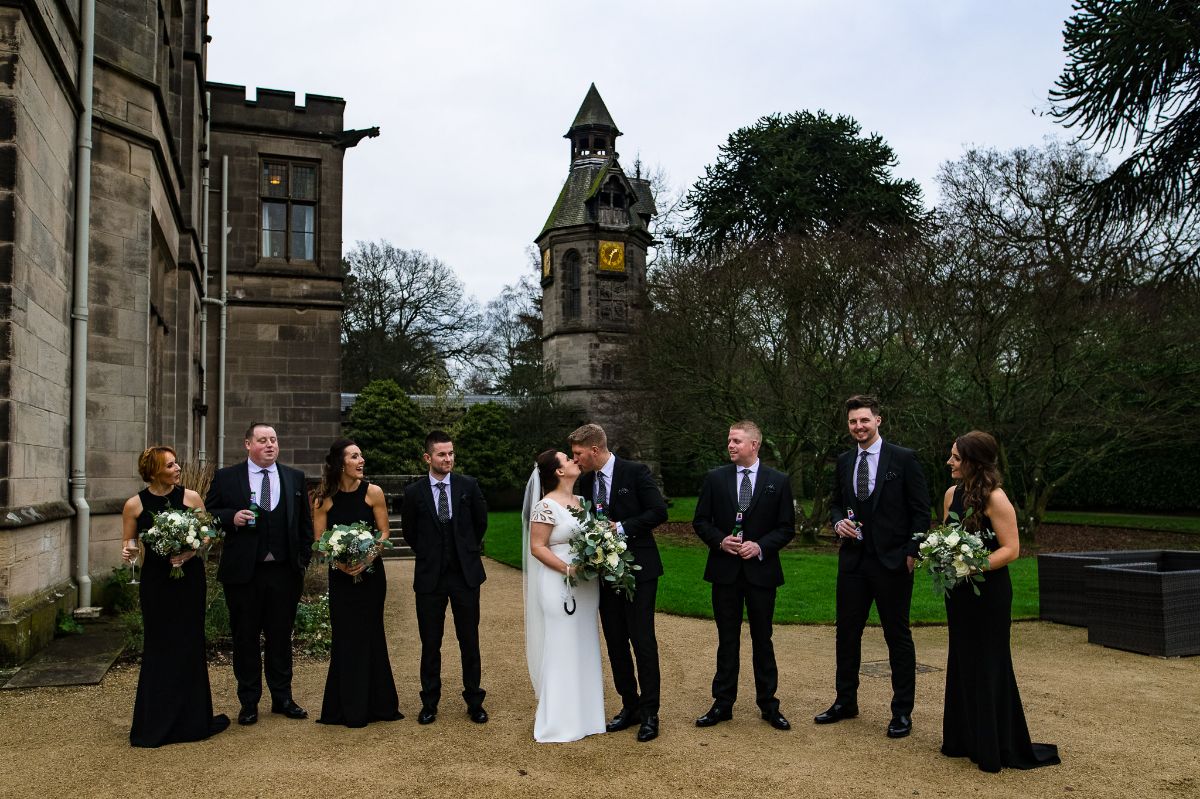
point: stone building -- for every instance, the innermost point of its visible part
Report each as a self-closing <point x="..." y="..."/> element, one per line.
<point x="137" y="315"/>
<point x="593" y="249"/>
<point x="284" y="265"/>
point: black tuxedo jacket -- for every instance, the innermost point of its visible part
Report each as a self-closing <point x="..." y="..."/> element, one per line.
<point x="230" y="492"/>
<point x="635" y="501"/>
<point x="770" y="521"/>
<point x="896" y="510"/>
<point x="468" y="523"/>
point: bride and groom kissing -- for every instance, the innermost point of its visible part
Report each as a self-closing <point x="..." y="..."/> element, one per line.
<point x="562" y="642"/>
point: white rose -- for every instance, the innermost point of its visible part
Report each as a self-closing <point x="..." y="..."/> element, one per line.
<point x="952" y="539"/>
<point x="204" y="528"/>
<point x="608" y="535"/>
<point x="933" y="540"/>
<point x="961" y="569"/>
<point x="965" y="549"/>
<point x="613" y="560"/>
<point x="622" y="546"/>
<point x="364" y="536"/>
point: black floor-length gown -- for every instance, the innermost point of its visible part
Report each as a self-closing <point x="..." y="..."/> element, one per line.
<point x="174" y="701"/>
<point x="359" y="688"/>
<point x="983" y="717"/>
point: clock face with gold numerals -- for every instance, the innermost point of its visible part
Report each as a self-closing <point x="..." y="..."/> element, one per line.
<point x="546" y="262"/>
<point x="612" y="256"/>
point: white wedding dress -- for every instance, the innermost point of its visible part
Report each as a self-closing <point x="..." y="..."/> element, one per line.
<point x="563" y="649"/>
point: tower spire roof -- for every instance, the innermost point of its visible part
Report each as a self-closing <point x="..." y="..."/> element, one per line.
<point x="593" y="113"/>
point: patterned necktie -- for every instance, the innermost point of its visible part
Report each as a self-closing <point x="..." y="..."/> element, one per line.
<point x="745" y="491"/>
<point x="264" y="492"/>
<point x="443" y="504"/>
<point x="862" y="481"/>
<point x="601" y="490"/>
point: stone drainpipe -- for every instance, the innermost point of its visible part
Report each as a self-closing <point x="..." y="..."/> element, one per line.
<point x="79" y="307"/>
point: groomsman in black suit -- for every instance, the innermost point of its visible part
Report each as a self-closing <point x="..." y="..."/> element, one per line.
<point x="629" y="496"/>
<point x="262" y="567"/>
<point x="884" y="486"/>
<point x="745" y="515"/>
<point x="443" y="520"/>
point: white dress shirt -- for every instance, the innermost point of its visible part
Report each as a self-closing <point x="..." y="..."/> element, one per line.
<point x="607" y="471"/>
<point x="433" y="486"/>
<point x="871" y="453"/>
<point x="255" y="474"/>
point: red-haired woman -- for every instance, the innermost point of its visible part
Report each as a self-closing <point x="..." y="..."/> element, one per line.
<point x="983" y="718"/>
<point x="174" y="701"/>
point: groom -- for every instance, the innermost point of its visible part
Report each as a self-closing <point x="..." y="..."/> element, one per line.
<point x="629" y="496"/>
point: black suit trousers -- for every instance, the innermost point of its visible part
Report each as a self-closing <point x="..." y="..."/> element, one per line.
<point x="891" y="591"/>
<point x="431" y="624"/>
<point x="629" y="622"/>
<point x="264" y="608"/>
<point x="759" y="603"/>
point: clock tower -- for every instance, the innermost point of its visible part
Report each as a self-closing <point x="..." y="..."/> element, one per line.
<point x="593" y="251"/>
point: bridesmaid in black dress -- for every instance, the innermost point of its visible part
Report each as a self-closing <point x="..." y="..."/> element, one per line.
<point x="174" y="702"/>
<point x="983" y="717"/>
<point x="360" y="688"/>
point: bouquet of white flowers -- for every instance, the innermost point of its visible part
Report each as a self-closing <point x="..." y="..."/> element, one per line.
<point x="177" y="531"/>
<point x="952" y="555"/>
<point x="350" y="545"/>
<point x="601" y="552"/>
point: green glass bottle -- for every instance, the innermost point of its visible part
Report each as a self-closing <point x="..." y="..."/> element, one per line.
<point x="253" y="509"/>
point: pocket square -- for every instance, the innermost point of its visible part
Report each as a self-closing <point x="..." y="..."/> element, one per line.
<point x="891" y="476"/>
<point x="622" y="492"/>
<point x="771" y="488"/>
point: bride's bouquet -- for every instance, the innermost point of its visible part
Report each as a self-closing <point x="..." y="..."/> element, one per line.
<point x="177" y="531"/>
<point x="350" y="545"/>
<point x="952" y="555"/>
<point x="601" y="552"/>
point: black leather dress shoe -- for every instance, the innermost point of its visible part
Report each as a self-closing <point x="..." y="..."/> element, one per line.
<point x="899" y="727"/>
<point x="715" y="715"/>
<point x="478" y="715"/>
<point x="836" y="712"/>
<point x="289" y="709"/>
<point x="777" y="720"/>
<point x="427" y="715"/>
<point x="649" y="729"/>
<point x="622" y="721"/>
<point x="247" y="715"/>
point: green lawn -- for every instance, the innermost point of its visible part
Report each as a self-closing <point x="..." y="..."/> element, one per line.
<point x="806" y="598"/>
<point x="1136" y="521"/>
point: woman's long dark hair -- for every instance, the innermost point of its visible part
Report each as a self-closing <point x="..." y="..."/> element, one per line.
<point x="981" y="476"/>
<point x="331" y="470"/>
<point x="547" y="466"/>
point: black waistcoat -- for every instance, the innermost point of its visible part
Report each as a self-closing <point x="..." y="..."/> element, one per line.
<point x="272" y="533"/>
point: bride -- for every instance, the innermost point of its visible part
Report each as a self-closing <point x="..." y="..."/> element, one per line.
<point x="562" y="637"/>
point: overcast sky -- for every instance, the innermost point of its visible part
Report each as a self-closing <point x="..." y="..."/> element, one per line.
<point x="473" y="98"/>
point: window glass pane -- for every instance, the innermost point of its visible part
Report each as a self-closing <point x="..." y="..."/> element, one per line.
<point x="274" y="180"/>
<point x="304" y="182"/>
<point x="274" y="216"/>
<point x="274" y="229"/>
<point x="273" y="243"/>
<point x="303" y="231"/>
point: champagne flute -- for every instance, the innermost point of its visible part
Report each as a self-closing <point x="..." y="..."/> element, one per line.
<point x="133" y="564"/>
